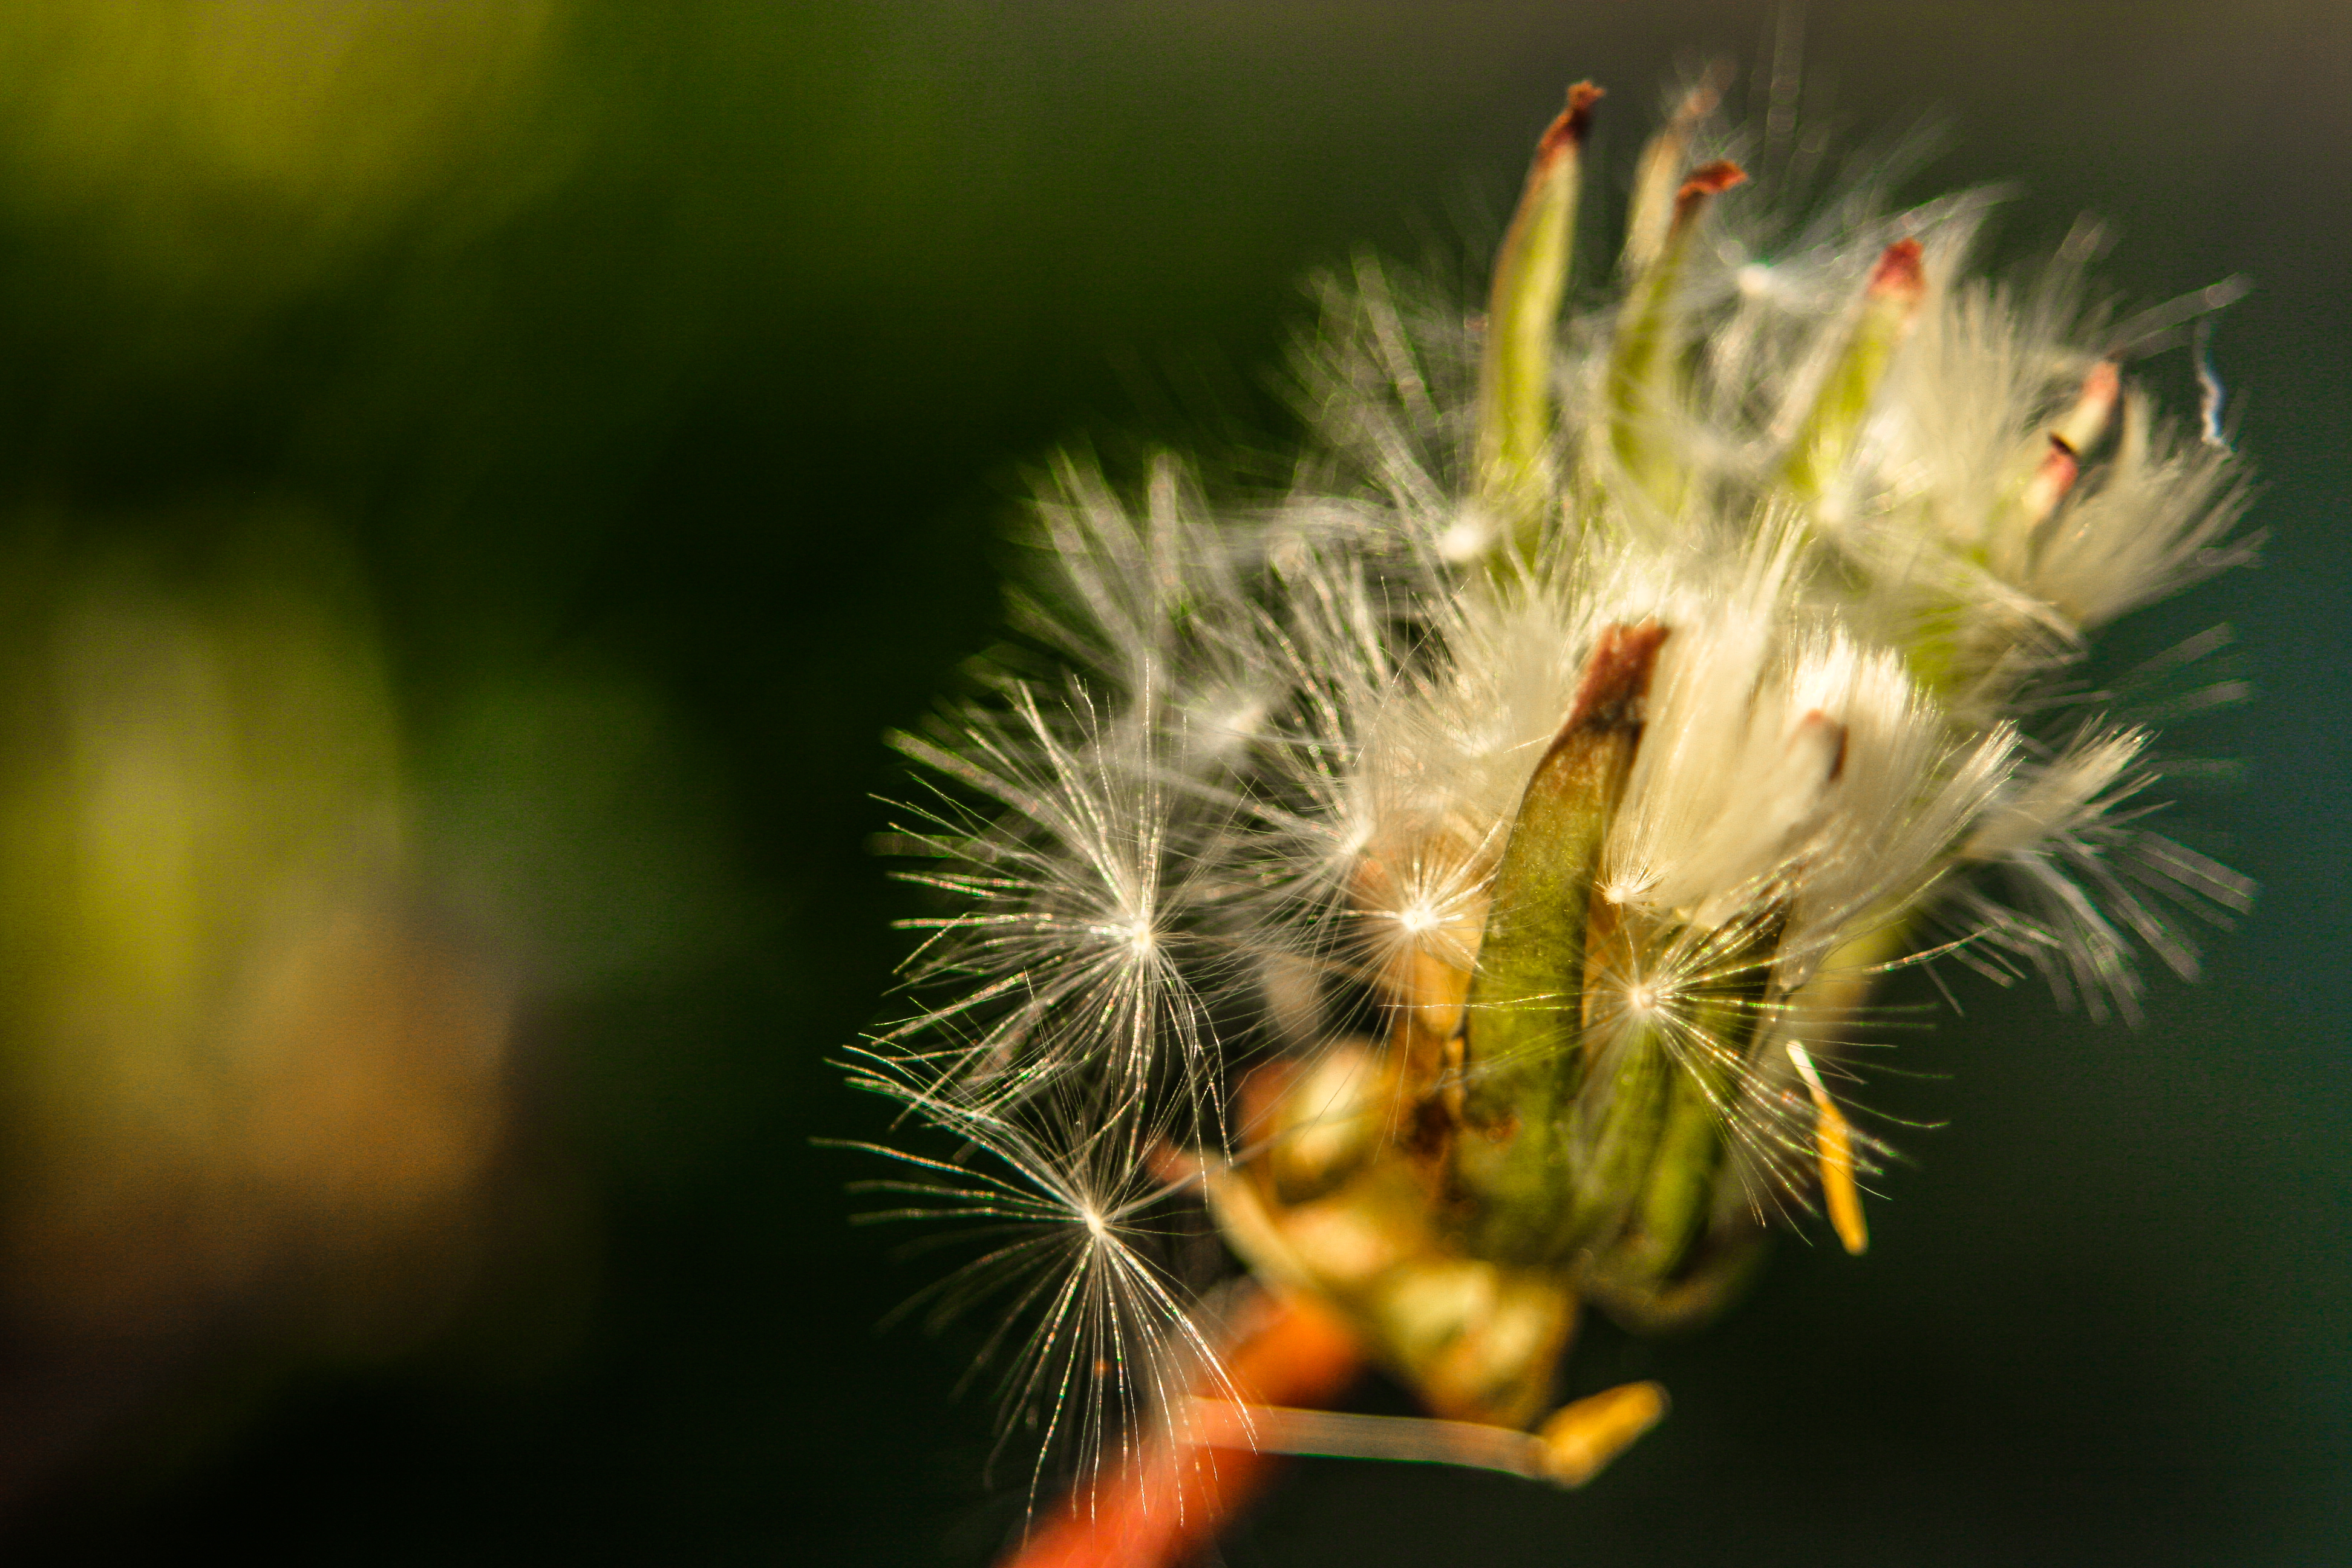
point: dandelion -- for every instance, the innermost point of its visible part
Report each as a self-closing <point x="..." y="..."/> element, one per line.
<point x="1465" y="876"/>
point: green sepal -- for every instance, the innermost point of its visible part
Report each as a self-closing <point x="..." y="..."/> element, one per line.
<point x="1522" y="1057"/>
<point x="1515" y="478"/>
<point x="1644" y="361"/>
<point x="1659" y="171"/>
<point x="1890" y="304"/>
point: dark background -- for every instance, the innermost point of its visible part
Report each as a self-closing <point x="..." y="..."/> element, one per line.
<point x="673" y="372"/>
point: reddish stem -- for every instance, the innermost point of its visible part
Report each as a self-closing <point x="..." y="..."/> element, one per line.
<point x="1168" y="1498"/>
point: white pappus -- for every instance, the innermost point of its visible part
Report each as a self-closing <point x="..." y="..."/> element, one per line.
<point x="1815" y="515"/>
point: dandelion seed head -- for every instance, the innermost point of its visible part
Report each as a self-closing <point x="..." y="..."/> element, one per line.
<point x="1858" y="509"/>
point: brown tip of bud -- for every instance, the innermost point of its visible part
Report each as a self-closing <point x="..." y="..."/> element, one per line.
<point x="1710" y="180"/>
<point x="1566" y="133"/>
<point x="1703" y="185"/>
<point x="1898" y="275"/>
<point x="1616" y="677"/>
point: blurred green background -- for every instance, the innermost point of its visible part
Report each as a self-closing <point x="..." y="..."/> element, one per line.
<point x="477" y="478"/>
